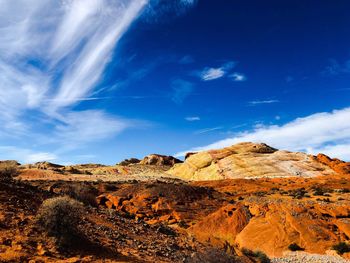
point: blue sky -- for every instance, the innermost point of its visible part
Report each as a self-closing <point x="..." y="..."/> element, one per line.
<point x="104" y="80"/>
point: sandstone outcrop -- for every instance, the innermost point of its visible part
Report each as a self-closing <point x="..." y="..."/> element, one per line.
<point x="157" y="159"/>
<point x="266" y="214"/>
<point x="337" y="165"/>
<point x="44" y="166"/>
<point x="129" y="161"/>
<point x="248" y="160"/>
<point x="163" y="202"/>
<point x="271" y="226"/>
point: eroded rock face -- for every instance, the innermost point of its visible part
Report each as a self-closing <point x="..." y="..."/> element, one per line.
<point x="157" y="159"/>
<point x="337" y="165"/>
<point x="163" y="202"/>
<point x="271" y="226"/>
<point x="248" y="160"/>
<point x="266" y="214"/>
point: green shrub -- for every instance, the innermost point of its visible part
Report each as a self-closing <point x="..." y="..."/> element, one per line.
<point x="341" y="248"/>
<point x="59" y="217"/>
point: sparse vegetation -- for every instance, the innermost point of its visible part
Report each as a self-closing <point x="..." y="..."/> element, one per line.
<point x="8" y="170"/>
<point x="211" y="256"/>
<point x="83" y="193"/>
<point x="59" y="217"/>
<point x="258" y="255"/>
<point x="341" y="248"/>
<point x="319" y="191"/>
<point x="294" y="247"/>
<point x="298" y="193"/>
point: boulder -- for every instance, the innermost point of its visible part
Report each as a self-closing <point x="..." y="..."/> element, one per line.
<point x="129" y="161"/>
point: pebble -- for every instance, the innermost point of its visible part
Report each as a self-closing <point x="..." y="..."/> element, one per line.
<point x="309" y="258"/>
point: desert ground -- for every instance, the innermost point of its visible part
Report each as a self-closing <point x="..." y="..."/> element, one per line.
<point x="245" y="203"/>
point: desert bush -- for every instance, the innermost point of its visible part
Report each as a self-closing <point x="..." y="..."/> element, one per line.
<point x="294" y="247"/>
<point x="83" y="193"/>
<point x="297" y="193"/>
<point x="59" y="217"/>
<point x="257" y="255"/>
<point x="8" y="170"/>
<point x="211" y="255"/>
<point x="321" y="191"/>
<point x="341" y="248"/>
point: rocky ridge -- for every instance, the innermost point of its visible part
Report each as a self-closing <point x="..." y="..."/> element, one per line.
<point x="249" y="160"/>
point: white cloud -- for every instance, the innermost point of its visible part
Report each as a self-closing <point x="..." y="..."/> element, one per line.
<point x="87" y="126"/>
<point x="52" y="55"/>
<point x="208" y="74"/>
<point x="38" y="157"/>
<point x="25" y="155"/>
<point x="259" y="102"/>
<point x="193" y="118"/>
<point x="212" y="73"/>
<point x="54" y="52"/>
<point x="327" y="132"/>
<point x="89" y="64"/>
<point x="238" y="77"/>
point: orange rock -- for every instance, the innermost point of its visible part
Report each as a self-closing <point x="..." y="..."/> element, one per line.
<point x="222" y="225"/>
<point x="336" y="164"/>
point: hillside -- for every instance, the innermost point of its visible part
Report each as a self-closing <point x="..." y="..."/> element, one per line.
<point x="247" y="197"/>
<point x="249" y="160"/>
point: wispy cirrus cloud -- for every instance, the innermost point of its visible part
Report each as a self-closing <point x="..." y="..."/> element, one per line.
<point x="157" y="10"/>
<point x="64" y="46"/>
<point x="193" y="118"/>
<point x="260" y="102"/>
<point x="52" y="56"/>
<point x="326" y="132"/>
<point x="335" y="68"/>
<point x="206" y="130"/>
<point x="25" y="155"/>
<point x="181" y="89"/>
<point x="186" y="60"/>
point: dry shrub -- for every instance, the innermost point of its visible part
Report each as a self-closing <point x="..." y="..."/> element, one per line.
<point x="83" y="193"/>
<point x="342" y="248"/>
<point x="8" y="170"/>
<point x="211" y="255"/>
<point x="258" y="256"/>
<point x="59" y="217"/>
<point x="294" y="247"/>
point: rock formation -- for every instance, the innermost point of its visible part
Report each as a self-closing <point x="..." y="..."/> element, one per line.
<point x="129" y="161"/>
<point x="45" y="166"/>
<point x="336" y="164"/>
<point x="248" y="160"/>
<point x="157" y="159"/>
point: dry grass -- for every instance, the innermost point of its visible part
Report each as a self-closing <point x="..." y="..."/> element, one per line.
<point x="8" y="170"/>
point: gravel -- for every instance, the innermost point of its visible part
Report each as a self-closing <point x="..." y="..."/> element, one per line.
<point x="302" y="257"/>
